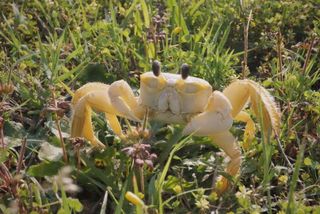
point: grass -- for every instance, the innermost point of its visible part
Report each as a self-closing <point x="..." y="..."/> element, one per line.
<point x="51" y="48"/>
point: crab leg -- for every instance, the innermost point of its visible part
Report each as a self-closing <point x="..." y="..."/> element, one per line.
<point x="215" y="122"/>
<point x="250" y="128"/>
<point x="114" y="100"/>
<point x="240" y="92"/>
<point x="228" y="144"/>
<point x="215" y="119"/>
<point x="114" y="124"/>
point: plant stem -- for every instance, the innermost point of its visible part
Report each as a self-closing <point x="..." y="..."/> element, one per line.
<point x="144" y="125"/>
<point x="246" y="38"/>
<point x="65" y="156"/>
<point x="21" y="154"/>
<point x="306" y="62"/>
<point x="128" y="124"/>
<point x="104" y="203"/>
<point x="291" y="204"/>
<point x="1" y="132"/>
<point x="141" y="174"/>
<point x="78" y="158"/>
<point x="283" y="153"/>
<point x="279" y="51"/>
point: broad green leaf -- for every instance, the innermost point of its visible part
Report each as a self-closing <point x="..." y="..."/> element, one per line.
<point x="14" y="129"/>
<point x="75" y="204"/>
<point x="62" y="211"/>
<point x="3" y="155"/>
<point x="53" y="128"/>
<point x="45" y="169"/>
<point x="49" y="152"/>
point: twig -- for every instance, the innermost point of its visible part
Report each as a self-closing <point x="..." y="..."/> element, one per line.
<point x="49" y="204"/>
<point x="65" y="157"/>
<point x="306" y="189"/>
<point x="1" y="132"/>
<point x="8" y="180"/>
<point x="21" y="154"/>
<point x="283" y="153"/>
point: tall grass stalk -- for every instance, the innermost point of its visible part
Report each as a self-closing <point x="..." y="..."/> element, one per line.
<point x="162" y="177"/>
<point x="139" y="209"/>
<point x="279" y="53"/>
<point x="104" y="203"/>
<point x="246" y="42"/>
<point x="122" y="196"/>
<point x="267" y="155"/>
<point x="306" y="62"/>
<point x="64" y="151"/>
<point x="293" y="184"/>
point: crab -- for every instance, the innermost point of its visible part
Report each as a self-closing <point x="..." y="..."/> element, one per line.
<point x="179" y="99"/>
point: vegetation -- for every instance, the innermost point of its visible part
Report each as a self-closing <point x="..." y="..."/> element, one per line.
<point x="50" y="48"/>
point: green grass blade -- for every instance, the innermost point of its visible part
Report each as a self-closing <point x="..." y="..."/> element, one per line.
<point x="291" y="208"/>
<point x="123" y="193"/>
<point x="145" y="13"/>
<point x="196" y="7"/>
<point x="165" y="170"/>
<point x="76" y="70"/>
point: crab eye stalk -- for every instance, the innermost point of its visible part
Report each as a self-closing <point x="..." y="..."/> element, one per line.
<point x="185" y="70"/>
<point x="156" y="65"/>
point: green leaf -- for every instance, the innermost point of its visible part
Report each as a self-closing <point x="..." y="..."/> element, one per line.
<point x="76" y="70"/>
<point x="75" y="204"/>
<point x="49" y="152"/>
<point x="74" y="53"/>
<point x="45" y="169"/>
<point x="53" y="128"/>
<point x="145" y="13"/>
<point x="62" y="211"/>
<point x="14" y="129"/>
<point x="307" y="161"/>
<point x="133" y="5"/>
<point x="3" y="155"/>
<point x="202" y="32"/>
<point x="196" y="7"/>
<point x="123" y="192"/>
<point x="162" y="176"/>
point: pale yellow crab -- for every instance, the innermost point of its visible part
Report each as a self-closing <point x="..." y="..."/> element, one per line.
<point x="180" y="99"/>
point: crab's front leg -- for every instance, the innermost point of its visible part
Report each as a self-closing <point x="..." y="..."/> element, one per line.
<point x="114" y="100"/>
<point x="227" y="142"/>
<point x="215" y="122"/>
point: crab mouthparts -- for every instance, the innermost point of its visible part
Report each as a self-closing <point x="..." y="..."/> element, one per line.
<point x="169" y="101"/>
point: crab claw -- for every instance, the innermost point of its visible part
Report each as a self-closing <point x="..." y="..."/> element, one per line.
<point x="216" y="117"/>
<point x="114" y="100"/>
